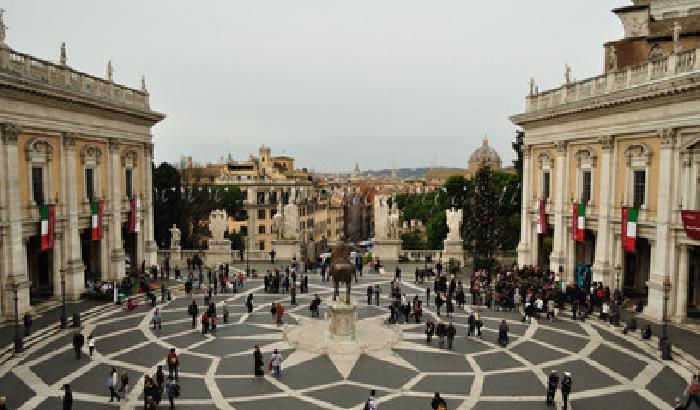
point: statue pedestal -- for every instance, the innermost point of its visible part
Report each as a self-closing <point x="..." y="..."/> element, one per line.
<point x="453" y="250"/>
<point x="386" y="250"/>
<point x="343" y="318"/>
<point x="286" y="249"/>
<point x="175" y="256"/>
<point x="218" y="252"/>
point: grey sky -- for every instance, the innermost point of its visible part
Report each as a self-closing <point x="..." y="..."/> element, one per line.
<point x="378" y="82"/>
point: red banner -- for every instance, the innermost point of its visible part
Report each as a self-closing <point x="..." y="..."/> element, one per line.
<point x="132" y="215"/>
<point x="542" y="218"/>
<point x="574" y="222"/>
<point x="623" y="227"/>
<point x="691" y="223"/>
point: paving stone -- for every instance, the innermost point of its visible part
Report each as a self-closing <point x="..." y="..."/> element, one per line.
<point x="315" y="372"/>
<point x="668" y="385"/>
<point x="128" y="322"/>
<point x="496" y="361"/>
<point x="245" y="329"/>
<point x="445" y="384"/>
<point x="53" y="403"/>
<point x="15" y="390"/>
<point x="619" y="401"/>
<point x="622" y="364"/>
<point x="523" y="383"/>
<point x="584" y="376"/>
<point x="223" y="347"/>
<point x="376" y="372"/>
<point x="113" y="344"/>
<point x="343" y="395"/>
<point x="59" y="366"/>
<point x="511" y="405"/>
<point x="286" y="403"/>
<point x="536" y="353"/>
<point x="94" y="381"/>
<point x="570" y="343"/>
<point x="147" y="356"/>
<point x="435" y="362"/>
<point x="567" y="325"/>
<point x="410" y="402"/>
<point x="253" y="386"/>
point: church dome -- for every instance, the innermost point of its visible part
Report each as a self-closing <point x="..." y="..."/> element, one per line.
<point x="486" y="154"/>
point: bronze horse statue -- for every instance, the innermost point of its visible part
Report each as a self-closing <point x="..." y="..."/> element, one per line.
<point x="341" y="269"/>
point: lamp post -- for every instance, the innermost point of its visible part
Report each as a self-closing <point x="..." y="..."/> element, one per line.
<point x="618" y="273"/>
<point x="64" y="321"/>
<point x="247" y="260"/>
<point x="18" y="338"/>
<point x="664" y="344"/>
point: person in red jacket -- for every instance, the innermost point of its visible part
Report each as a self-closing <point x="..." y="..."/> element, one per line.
<point x="278" y="313"/>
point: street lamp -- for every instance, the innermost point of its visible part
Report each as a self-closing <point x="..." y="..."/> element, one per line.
<point x="247" y="257"/>
<point x="18" y="338"/>
<point x="618" y="273"/>
<point x="64" y="321"/>
<point x="664" y="344"/>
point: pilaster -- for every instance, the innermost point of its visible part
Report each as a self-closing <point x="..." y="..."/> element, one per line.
<point x="116" y="264"/>
<point x="602" y="267"/>
<point x="680" y="286"/>
<point x="72" y="261"/>
<point x="150" y="247"/>
<point x="559" y="243"/>
<point x="525" y="246"/>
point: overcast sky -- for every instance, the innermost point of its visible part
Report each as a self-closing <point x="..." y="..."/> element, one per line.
<point x="378" y="82"/>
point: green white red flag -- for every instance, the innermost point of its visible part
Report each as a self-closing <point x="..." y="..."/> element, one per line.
<point x="134" y="219"/>
<point x="578" y="229"/>
<point x="48" y="225"/>
<point x="542" y="218"/>
<point x="96" y="210"/>
<point x="628" y="228"/>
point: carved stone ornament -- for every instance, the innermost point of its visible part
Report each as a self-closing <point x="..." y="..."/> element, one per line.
<point x="585" y="156"/>
<point x="527" y="151"/>
<point x="545" y="160"/>
<point x="606" y="143"/>
<point x="561" y="146"/>
<point x="667" y="137"/>
<point x="129" y="158"/>
<point x="91" y="154"/>
<point x="113" y="145"/>
<point x="638" y="150"/>
<point x="10" y="132"/>
<point x="69" y="139"/>
<point x="38" y="149"/>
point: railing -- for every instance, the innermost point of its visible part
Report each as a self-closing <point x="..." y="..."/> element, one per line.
<point x="665" y="67"/>
<point x="45" y="72"/>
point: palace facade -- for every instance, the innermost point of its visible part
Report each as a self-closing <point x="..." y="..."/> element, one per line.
<point x="75" y="178"/>
<point x="627" y="140"/>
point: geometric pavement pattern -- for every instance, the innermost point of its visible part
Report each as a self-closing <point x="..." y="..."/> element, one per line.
<point x="609" y="370"/>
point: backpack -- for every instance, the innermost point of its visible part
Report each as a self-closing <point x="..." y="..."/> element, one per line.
<point x="694" y="389"/>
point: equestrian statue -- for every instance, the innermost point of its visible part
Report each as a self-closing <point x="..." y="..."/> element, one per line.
<point x="341" y="269"/>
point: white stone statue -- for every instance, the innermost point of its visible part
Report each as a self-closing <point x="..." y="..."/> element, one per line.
<point x="394" y="220"/>
<point x="454" y="224"/>
<point x="278" y="222"/>
<point x="3" y="27"/>
<point x="381" y="218"/>
<point x="218" y="223"/>
<point x="613" y="58"/>
<point x="567" y="73"/>
<point x="143" y="84"/>
<point x="291" y="220"/>
<point x="63" y="58"/>
<point x="175" y="236"/>
<point x="110" y="71"/>
<point x="532" y="85"/>
<point x="677" y="46"/>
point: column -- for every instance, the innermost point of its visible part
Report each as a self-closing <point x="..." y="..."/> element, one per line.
<point x="660" y="268"/>
<point x="72" y="260"/>
<point x="116" y="264"/>
<point x="150" y="247"/>
<point x="12" y="256"/>
<point x="559" y="242"/>
<point x="681" y="285"/>
<point x="525" y="245"/>
<point x="602" y="269"/>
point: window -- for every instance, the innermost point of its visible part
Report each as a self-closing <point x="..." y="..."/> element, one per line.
<point x="261" y="198"/>
<point x="244" y="230"/>
<point x="261" y="229"/>
<point x="129" y="183"/>
<point x="273" y="197"/>
<point x="261" y="214"/>
<point x="90" y="183"/>
<point x="639" y="186"/>
<point x="285" y="198"/>
<point x="261" y="245"/>
<point x="38" y="185"/>
<point x="545" y="185"/>
<point x="586" y="187"/>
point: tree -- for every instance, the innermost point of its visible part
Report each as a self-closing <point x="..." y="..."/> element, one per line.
<point x="167" y="202"/>
<point x="412" y="241"/>
<point x="485" y="212"/>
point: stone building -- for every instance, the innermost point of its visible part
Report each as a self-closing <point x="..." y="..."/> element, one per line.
<point x="72" y="146"/>
<point x="485" y="155"/>
<point x="626" y="139"/>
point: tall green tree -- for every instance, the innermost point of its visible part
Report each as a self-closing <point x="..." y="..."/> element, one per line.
<point x="485" y="210"/>
<point x="168" y="206"/>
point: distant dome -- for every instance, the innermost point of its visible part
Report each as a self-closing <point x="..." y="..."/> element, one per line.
<point x="485" y="154"/>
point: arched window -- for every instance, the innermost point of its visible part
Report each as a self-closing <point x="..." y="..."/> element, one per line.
<point x="91" y="156"/>
<point x="638" y="161"/>
<point x="545" y="161"/>
<point x="585" y="168"/>
<point x="39" y="153"/>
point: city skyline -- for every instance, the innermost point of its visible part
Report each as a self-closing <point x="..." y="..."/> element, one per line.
<point x="400" y="85"/>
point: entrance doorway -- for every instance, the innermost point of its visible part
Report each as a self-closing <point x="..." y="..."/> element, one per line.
<point x="636" y="270"/>
<point x="585" y="251"/>
<point x="90" y="251"/>
<point x="693" y="281"/>
<point x="129" y="244"/>
<point x="544" y="248"/>
<point x="39" y="268"/>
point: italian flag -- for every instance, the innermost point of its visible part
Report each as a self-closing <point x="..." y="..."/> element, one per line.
<point x="134" y="220"/>
<point x="48" y="226"/>
<point x="542" y="218"/>
<point x="629" y="229"/>
<point x="96" y="209"/>
<point x="579" y="222"/>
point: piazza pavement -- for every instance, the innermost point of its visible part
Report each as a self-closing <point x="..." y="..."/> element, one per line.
<point x="610" y="370"/>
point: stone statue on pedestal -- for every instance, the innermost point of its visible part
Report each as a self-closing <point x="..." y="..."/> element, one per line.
<point x="341" y="269"/>
<point x="175" y="236"/>
<point x="278" y="222"/>
<point x="218" y="223"/>
<point x="291" y="220"/>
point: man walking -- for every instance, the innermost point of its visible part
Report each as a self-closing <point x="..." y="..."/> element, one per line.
<point x="565" y="389"/>
<point x="369" y="295"/>
<point x="552" y="383"/>
<point x="371" y="403"/>
<point x="429" y="329"/>
<point x="78" y="342"/>
<point x="276" y="363"/>
<point x="193" y="310"/>
<point x="441" y="331"/>
<point x="377" y="291"/>
<point x="173" y="363"/>
<point x="451" y="332"/>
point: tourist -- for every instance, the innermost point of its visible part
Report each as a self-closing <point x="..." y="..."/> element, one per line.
<point x="273" y="309"/>
<point x="91" y="344"/>
<point x="369" y="294"/>
<point x="438" y="303"/>
<point x="678" y="404"/>
<point x="693" y="391"/>
<point x="173" y="363"/>
<point x="552" y="383"/>
<point x="258" y="362"/>
<point x="438" y="403"/>
<point x="193" y="311"/>
<point x="293" y="294"/>
<point x="646" y="332"/>
<point x="449" y="306"/>
<point x="371" y="403"/>
<point x="67" y="398"/>
<point x="429" y="329"/>
<point x="225" y="313"/>
<point x="160" y="376"/>
<point x="471" y="324"/>
<point x="565" y="389"/>
<point x="3" y="402"/>
<point x="213" y="324"/>
<point x="441" y="332"/>
<point x="451" y="332"/>
<point x="417" y="309"/>
<point x="205" y="323"/>
<point x="503" y="334"/>
<point x="78" y="342"/>
<point x="249" y="303"/>
<point x="276" y="363"/>
<point x="172" y="390"/>
<point x="478" y="323"/>
<point x="149" y="390"/>
<point x="279" y="312"/>
<point x="157" y="321"/>
<point x="112" y="384"/>
<point x="377" y="292"/>
<point x="124" y="382"/>
<point x="27" y="324"/>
